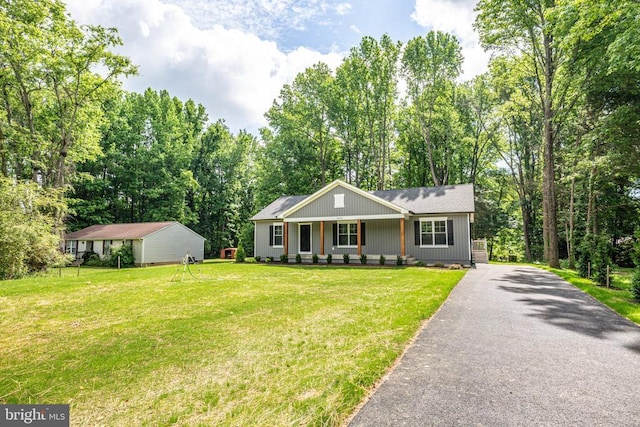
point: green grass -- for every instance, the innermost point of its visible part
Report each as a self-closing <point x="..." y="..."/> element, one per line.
<point x="618" y="296"/>
<point x="238" y="345"/>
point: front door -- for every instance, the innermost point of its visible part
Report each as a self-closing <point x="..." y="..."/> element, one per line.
<point x="305" y="238"/>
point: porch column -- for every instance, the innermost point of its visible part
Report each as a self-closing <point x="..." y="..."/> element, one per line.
<point x="321" y="237"/>
<point x="359" y="240"/>
<point x="285" y="237"/>
<point x="402" y="248"/>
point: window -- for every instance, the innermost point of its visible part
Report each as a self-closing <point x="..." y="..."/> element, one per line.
<point x="106" y="247"/>
<point x="71" y="247"/>
<point x="347" y="234"/>
<point x="338" y="201"/>
<point x="433" y="232"/>
<point x="277" y="235"/>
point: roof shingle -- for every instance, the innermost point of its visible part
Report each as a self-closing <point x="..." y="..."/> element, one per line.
<point x="118" y="231"/>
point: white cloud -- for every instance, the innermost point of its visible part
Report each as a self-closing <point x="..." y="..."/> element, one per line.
<point x="234" y="74"/>
<point x="343" y="8"/>
<point x="456" y="17"/>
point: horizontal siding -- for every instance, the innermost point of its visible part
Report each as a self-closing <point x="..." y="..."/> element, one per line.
<point x="354" y="204"/>
<point x="171" y="244"/>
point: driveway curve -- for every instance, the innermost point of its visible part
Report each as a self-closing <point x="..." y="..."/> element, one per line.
<point x="514" y="346"/>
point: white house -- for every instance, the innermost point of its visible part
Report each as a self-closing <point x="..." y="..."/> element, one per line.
<point x="153" y="242"/>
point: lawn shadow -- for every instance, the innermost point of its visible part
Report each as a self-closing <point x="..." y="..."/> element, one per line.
<point x="558" y="303"/>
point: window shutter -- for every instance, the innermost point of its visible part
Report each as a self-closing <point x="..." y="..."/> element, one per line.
<point x="416" y="232"/>
<point x="362" y="233"/>
<point x="271" y="235"/>
<point x="335" y="234"/>
<point x="450" y="232"/>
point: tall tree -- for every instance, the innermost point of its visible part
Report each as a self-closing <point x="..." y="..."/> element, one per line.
<point x="363" y="110"/>
<point x="514" y="27"/>
<point x="51" y="94"/>
<point x="430" y="66"/>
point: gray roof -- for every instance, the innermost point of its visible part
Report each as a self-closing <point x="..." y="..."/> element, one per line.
<point x="419" y="200"/>
<point x="281" y="205"/>
<point x="432" y="200"/>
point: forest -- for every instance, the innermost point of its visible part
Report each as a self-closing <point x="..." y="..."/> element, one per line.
<point x="549" y="136"/>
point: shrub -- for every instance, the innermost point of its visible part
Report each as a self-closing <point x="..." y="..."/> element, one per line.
<point x="438" y="264"/>
<point x="345" y="258"/>
<point x="284" y="258"/>
<point x="258" y="258"/>
<point x="601" y="258"/>
<point x="635" y="283"/>
<point x="125" y="252"/>
<point x="298" y="259"/>
<point x="240" y="254"/>
<point x="419" y="263"/>
<point x="399" y="260"/>
<point x="583" y="255"/>
<point x="315" y="258"/>
<point x="363" y="259"/>
<point x="250" y="260"/>
<point x="329" y="259"/>
<point x="89" y="255"/>
<point x="268" y="259"/>
<point x="95" y="261"/>
<point x="382" y="260"/>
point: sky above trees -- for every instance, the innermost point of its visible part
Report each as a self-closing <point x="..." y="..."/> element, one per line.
<point x="233" y="56"/>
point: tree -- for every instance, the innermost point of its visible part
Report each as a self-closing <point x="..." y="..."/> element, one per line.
<point x="29" y="240"/>
<point x="363" y="106"/>
<point x="430" y="66"/>
<point x="51" y="94"/>
<point x="521" y="28"/>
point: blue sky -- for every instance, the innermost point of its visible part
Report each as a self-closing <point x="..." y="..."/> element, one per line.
<point x="233" y="56"/>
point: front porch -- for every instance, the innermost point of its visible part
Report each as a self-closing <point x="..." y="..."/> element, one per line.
<point x="371" y="237"/>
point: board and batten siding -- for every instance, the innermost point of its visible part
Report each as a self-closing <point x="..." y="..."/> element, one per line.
<point x="261" y="241"/>
<point x="457" y="253"/>
<point x="171" y="244"/>
<point x="354" y="205"/>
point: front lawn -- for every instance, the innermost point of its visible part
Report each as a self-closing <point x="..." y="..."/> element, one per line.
<point x="249" y="344"/>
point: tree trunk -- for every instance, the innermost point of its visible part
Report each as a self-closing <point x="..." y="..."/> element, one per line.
<point x="549" y="211"/>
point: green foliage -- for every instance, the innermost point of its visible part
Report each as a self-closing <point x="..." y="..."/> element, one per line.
<point x="382" y="260"/>
<point x="635" y="283"/>
<point x="52" y="93"/>
<point x="284" y="258"/>
<point x="298" y="259"/>
<point x="345" y="258"/>
<point x="258" y="258"/>
<point x="29" y="239"/>
<point x="329" y="259"/>
<point x="363" y="259"/>
<point x="597" y="251"/>
<point x="125" y="253"/>
<point x="268" y="259"/>
<point x="250" y="260"/>
<point x="240" y="254"/>
<point x="419" y="263"/>
<point x="399" y="260"/>
<point x="315" y="258"/>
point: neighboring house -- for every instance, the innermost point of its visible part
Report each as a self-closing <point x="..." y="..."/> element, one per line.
<point x="431" y="224"/>
<point x="152" y="242"/>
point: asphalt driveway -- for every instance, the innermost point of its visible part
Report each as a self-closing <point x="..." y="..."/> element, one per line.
<point x="514" y="346"/>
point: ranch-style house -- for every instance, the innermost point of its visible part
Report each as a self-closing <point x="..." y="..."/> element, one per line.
<point x="430" y="224"/>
